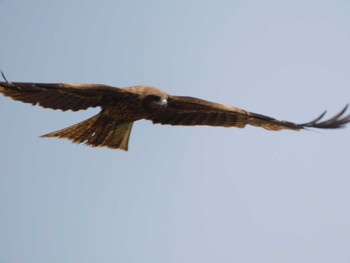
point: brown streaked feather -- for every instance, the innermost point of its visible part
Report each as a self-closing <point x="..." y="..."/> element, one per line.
<point x="97" y="131"/>
<point x="190" y="111"/>
<point x="63" y="96"/>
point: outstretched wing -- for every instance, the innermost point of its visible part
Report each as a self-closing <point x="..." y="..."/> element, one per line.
<point x="190" y="111"/>
<point x="63" y="96"/>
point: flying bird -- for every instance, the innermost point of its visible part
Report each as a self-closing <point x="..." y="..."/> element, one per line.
<point x="121" y="107"/>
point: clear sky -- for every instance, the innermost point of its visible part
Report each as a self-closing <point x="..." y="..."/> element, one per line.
<point x="180" y="194"/>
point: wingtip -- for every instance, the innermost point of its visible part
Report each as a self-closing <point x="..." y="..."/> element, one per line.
<point x="335" y="122"/>
<point x="3" y="76"/>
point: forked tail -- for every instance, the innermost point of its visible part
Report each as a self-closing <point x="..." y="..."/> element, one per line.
<point x="98" y="131"/>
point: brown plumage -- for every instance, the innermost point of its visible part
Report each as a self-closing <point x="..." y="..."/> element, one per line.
<point x="121" y="107"/>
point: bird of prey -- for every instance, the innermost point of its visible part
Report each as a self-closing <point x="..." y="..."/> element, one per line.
<point x="121" y="107"/>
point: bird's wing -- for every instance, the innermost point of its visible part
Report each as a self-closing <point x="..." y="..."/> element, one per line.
<point x="63" y="96"/>
<point x="190" y="111"/>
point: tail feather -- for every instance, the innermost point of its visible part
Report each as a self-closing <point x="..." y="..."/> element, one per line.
<point x="119" y="137"/>
<point x="98" y="131"/>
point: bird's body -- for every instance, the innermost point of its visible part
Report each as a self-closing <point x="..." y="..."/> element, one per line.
<point x="120" y="108"/>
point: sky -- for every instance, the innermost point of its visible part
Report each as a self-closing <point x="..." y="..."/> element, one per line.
<point x="180" y="194"/>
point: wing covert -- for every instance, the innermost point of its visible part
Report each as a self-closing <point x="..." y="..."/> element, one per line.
<point x="189" y="111"/>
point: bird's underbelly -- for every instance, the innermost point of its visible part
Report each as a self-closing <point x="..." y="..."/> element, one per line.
<point x="125" y="112"/>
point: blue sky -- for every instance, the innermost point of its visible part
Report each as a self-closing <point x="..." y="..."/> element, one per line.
<point x="180" y="194"/>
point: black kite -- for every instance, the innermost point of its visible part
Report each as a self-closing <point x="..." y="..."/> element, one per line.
<point x="121" y="107"/>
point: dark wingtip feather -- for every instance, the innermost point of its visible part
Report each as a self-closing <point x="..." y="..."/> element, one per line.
<point x="306" y="124"/>
<point x="335" y="122"/>
<point x="8" y="82"/>
<point x="3" y="76"/>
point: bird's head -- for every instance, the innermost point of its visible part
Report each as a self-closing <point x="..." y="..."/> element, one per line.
<point x="151" y="97"/>
<point x="155" y="101"/>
